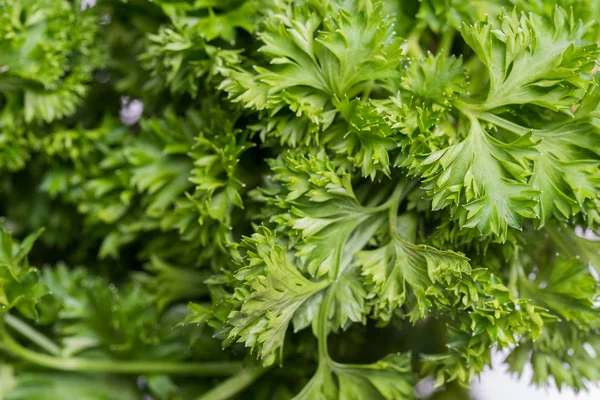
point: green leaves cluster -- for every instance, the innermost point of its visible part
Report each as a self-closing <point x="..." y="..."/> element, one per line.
<point x="367" y="193"/>
<point x="20" y="283"/>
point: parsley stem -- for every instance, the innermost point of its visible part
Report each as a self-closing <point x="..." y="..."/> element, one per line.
<point x="400" y="191"/>
<point x="446" y="41"/>
<point x="116" y="366"/>
<point x="503" y="123"/>
<point x="413" y="45"/>
<point x="233" y="385"/>
<point x="565" y="243"/>
<point x="322" y="328"/>
<point x="36" y="337"/>
<point x="516" y="268"/>
<point x="394" y="203"/>
<point x="471" y="111"/>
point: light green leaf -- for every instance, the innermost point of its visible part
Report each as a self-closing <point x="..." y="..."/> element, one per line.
<point x="270" y="292"/>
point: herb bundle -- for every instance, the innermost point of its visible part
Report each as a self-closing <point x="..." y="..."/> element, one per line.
<point x="307" y="199"/>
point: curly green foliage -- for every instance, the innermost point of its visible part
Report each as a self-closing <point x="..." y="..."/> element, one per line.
<point x="449" y="15"/>
<point x="315" y="59"/>
<point x="484" y="158"/>
<point x="422" y="278"/>
<point x="15" y="148"/>
<point x="48" y="53"/>
<point x="563" y="353"/>
<point x="177" y="59"/>
<point x="530" y="63"/>
<point x="94" y="316"/>
<point x="484" y="176"/>
<point x="57" y="386"/>
<point x="48" y="56"/>
<point x="20" y="286"/>
<point x="271" y="292"/>
<point x="107" y="173"/>
<point x="388" y="378"/>
<point x="316" y="65"/>
<point x="323" y="273"/>
<point x="498" y="320"/>
<point x="212" y="19"/>
<point x="367" y="193"/>
<point x="219" y="176"/>
<point x="117" y="167"/>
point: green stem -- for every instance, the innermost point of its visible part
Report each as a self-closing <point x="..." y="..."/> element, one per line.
<point x="34" y="336"/>
<point x="367" y="89"/>
<point x="233" y="385"/>
<point x="117" y="366"/>
<point x="383" y="207"/>
<point x="400" y="191"/>
<point x="516" y="270"/>
<point x="395" y="201"/>
<point x="13" y="83"/>
<point x="504" y="123"/>
<point x="566" y="243"/>
<point x="323" y="316"/>
<point x="393" y="217"/>
<point x="471" y="111"/>
<point x="446" y="41"/>
<point x="378" y="201"/>
<point x="413" y="45"/>
<point x="322" y="330"/>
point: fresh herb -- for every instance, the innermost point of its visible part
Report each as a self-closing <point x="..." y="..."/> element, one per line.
<point x="277" y="199"/>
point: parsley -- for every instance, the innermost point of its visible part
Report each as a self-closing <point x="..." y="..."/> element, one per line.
<point x="321" y="199"/>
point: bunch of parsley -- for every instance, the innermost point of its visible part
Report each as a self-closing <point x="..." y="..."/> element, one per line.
<point x="308" y="199"/>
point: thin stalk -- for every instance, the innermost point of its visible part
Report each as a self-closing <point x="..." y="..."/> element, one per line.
<point x="383" y="207"/>
<point x="471" y="111"/>
<point x="565" y="243"/>
<point x="377" y="200"/>
<point x="504" y="123"/>
<point x="233" y="385"/>
<point x="395" y="201"/>
<point x="516" y="270"/>
<point x="322" y="331"/>
<point x="117" y="366"/>
<point x="397" y="196"/>
<point x="413" y="45"/>
<point x="446" y="41"/>
<point x="34" y="336"/>
<point x="367" y="89"/>
<point x="393" y="216"/>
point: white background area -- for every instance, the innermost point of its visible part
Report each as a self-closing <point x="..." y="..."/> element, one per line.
<point x="498" y="384"/>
